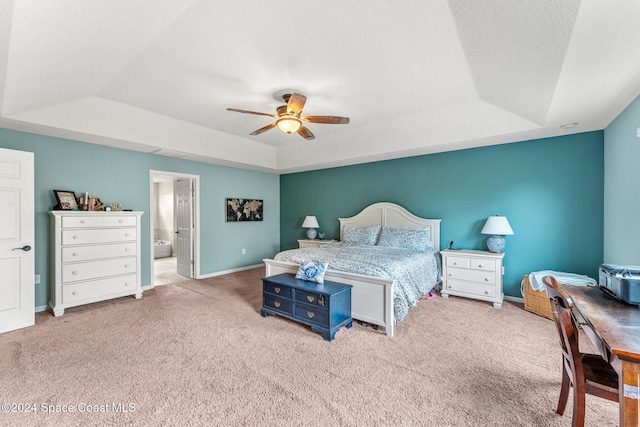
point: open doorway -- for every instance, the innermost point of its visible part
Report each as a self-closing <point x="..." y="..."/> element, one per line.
<point x="174" y="225"/>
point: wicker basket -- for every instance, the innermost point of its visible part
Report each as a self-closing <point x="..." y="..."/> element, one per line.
<point x="536" y="302"/>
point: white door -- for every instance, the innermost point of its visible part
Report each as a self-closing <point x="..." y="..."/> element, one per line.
<point x="17" y="289"/>
<point x="184" y="219"/>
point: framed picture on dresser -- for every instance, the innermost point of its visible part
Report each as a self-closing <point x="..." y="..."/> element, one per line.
<point x="66" y="200"/>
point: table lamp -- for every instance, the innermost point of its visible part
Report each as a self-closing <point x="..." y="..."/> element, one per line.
<point x="497" y="226"/>
<point x="311" y="223"/>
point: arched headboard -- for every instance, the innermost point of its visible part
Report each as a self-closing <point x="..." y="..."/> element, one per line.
<point x="392" y="215"/>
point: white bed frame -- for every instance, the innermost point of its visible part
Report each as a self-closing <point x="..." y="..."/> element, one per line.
<point x="371" y="297"/>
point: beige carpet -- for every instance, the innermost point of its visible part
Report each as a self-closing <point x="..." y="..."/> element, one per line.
<point x="199" y="353"/>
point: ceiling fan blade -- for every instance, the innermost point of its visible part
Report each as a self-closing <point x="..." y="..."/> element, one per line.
<point x="306" y="133"/>
<point x="251" y="112"/>
<point x="264" y="129"/>
<point x="296" y="103"/>
<point x="332" y="120"/>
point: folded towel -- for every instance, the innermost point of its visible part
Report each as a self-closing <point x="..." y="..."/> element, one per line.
<point x="535" y="279"/>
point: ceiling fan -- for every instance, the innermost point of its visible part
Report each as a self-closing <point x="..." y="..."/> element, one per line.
<point x="289" y="119"/>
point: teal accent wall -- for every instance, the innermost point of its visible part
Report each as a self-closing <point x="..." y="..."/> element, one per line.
<point x="122" y="176"/>
<point x="622" y="192"/>
<point x="551" y="190"/>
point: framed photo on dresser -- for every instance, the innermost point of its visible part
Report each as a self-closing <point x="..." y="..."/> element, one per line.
<point x="66" y="200"/>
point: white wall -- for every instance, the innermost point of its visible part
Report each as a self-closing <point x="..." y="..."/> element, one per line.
<point x="622" y="188"/>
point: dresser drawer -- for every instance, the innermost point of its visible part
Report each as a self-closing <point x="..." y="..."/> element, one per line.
<point x="99" y="288"/>
<point x="277" y="289"/>
<point x="312" y="314"/>
<point x="488" y="291"/>
<point x="81" y="237"/>
<point x="312" y="298"/>
<point x="120" y="221"/>
<point x="84" y="253"/>
<point x="459" y="262"/>
<point x="488" y="277"/>
<point x="275" y="303"/>
<point x="96" y="269"/>
<point x="483" y="264"/>
<point x="81" y="221"/>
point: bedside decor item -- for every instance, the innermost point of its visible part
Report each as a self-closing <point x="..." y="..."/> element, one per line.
<point x="66" y="200"/>
<point x="312" y="271"/>
<point x="497" y="226"/>
<point x="311" y="223"/>
<point x="239" y="210"/>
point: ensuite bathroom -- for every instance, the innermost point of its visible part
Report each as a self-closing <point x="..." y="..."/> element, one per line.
<point x="164" y="227"/>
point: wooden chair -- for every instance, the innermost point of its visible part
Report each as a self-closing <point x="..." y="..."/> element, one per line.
<point x="588" y="373"/>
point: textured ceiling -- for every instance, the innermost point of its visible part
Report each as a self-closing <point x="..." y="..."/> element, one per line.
<point x="415" y="77"/>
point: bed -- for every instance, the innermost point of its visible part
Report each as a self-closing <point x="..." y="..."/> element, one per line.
<point x="373" y="295"/>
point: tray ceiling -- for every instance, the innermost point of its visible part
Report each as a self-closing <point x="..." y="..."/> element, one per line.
<point x="414" y="77"/>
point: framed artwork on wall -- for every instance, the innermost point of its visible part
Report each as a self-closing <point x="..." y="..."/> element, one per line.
<point x="239" y="210"/>
<point x="66" y="200"/>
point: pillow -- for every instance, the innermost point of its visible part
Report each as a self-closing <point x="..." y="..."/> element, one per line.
<point x="312" y="271"/>
<point x="416" y="239"/>
<point x="360" y="235"/>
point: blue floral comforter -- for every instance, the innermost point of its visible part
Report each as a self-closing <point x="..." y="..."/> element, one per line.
<point x="415" y="272"/>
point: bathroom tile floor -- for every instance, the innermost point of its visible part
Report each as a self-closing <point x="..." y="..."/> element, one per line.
<point x="165" y="271"/>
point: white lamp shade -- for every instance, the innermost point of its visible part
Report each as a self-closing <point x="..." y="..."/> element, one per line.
<point x="311" y="222"/>
<point x="497" y="225"/>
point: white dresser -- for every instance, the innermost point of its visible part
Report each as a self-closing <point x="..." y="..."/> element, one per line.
<point x="473" y="274"/>
<point x="95" y="256"/>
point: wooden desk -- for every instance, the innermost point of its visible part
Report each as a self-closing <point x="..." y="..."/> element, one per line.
<point x="614" y="328"/>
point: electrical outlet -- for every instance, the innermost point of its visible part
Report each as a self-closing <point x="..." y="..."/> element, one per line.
<point x="36" y="279"/>
<point x="244" y="251"/>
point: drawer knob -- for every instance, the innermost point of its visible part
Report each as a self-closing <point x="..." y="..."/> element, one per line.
<point x="126" y="249"/>
<point x="126" y="283"/>
<point x="126" y="234"/>
<point x="75" y="292"/>
<point x="74" y="272"/>
<point x="120" y="221"/>
<point x="455" y="262"/>
<point x="450" y="286"/>
<point x="277" y="304"/>
<point x="486" y="279"/>
<point x="126" y="266"/>
<point x="75" y="254"/>
<point x="310" y="314"/>
<point x="277" y="290"/>
<point x="450" y="274"/>
<point x="479" y="265"/>
<point x="486" y="292"/>
<point x="75" y="236"/>
<point x="82" y="221"/>
<point x="310" y="298"/>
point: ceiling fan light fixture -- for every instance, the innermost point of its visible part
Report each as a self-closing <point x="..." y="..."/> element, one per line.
<point x="288" y="124"/>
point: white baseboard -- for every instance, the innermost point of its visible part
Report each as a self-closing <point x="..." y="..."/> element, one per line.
<point x="233" y="270"/>
<point x="514" y="299"/>
<point x="42" y="308"/>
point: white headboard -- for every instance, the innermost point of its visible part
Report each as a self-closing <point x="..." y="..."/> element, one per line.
<point x="392" y="215"/>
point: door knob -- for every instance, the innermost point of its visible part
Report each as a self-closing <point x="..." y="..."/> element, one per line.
<point x="25" y="248"/>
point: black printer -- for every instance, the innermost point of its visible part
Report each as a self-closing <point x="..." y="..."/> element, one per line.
<point x="621" y="281"/>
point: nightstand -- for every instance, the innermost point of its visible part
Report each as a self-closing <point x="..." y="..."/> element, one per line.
<point x="307" y="243"/>
<point x="473" y="274"/>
